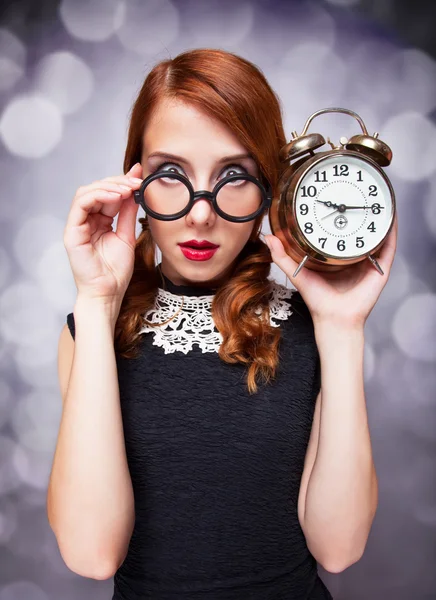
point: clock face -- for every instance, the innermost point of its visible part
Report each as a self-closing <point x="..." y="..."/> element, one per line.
<point x="343" y="206"/>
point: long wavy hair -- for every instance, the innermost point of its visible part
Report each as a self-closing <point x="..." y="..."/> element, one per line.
<point x="234" y="91"/>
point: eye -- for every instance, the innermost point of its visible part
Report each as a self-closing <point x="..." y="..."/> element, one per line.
<point x="235" y="169"/>
<point x="232" y="169"/>
<point x="228" y="170"/>
<point x="164" y="164"/>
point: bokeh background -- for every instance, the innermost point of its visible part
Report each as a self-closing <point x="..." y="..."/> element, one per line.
<point x="69" y="72"/>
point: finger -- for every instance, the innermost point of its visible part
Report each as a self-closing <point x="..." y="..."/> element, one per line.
<point x="132" y="182"/>
<point x="106" y="202"/>
<point x="386" y="254"/>
<point x="136" y="171"/>
<point x="126" y="222"/>
<point x="103" y="185"/>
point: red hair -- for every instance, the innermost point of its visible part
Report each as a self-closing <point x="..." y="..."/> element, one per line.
<point x="234" y="91"/>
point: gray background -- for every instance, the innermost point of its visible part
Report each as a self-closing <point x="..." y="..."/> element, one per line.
<point x="69" y="73"/>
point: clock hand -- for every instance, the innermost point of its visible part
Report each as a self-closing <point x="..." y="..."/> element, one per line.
<point x="328" y="203"/>
<point x="331" y="213"/>
<point x="370" y="207"/>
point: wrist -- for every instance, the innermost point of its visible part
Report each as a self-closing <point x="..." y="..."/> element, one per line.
<point x="87" y="307"/>
<point x="339" y="331"/>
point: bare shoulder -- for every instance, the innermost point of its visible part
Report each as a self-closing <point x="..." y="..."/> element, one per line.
<point x="65" y="359"/>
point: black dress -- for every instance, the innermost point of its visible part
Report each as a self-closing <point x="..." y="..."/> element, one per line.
<point x="216" y="472"/>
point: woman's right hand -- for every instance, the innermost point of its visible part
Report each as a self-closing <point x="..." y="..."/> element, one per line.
<point x="101" y="259"/>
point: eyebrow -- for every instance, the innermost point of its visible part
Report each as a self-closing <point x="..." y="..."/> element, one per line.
<point x="183" y="160"/>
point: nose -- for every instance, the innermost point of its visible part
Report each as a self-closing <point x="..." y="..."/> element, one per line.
<point x="202" y="210"/>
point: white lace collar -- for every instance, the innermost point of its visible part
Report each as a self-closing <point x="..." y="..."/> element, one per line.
<point x="193" y="323"/>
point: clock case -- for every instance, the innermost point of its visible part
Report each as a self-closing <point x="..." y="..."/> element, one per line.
<point x="282" y="213"/>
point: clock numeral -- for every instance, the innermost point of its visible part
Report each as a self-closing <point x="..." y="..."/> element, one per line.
<point x="308" y="227"/>
<point x="371" y="227"/>
<point x="341" y="245"/>
<point x="304" y="209"/>
<point x="376" y="208"/>
<point x="343" y="172"/>
<point x="373" y="190"/>
<point x="324" y="176"/>
<point x="308" y="191"/>
<point x="323" y="240"/>
<point x="360" y="176"/>
<point x="359" y="242"/>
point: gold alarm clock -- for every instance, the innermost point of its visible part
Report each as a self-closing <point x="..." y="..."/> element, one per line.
<point x="336" y="207"/>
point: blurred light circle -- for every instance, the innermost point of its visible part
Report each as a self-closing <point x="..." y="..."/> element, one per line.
<point x="412" y="137"/>
<point x="35" y="420"/>
<point x="64" y="79"/>
<point x="149" y="27"/>
<point x="304" y="83"/>
<point x="31" y="126"/>
<point x="207" y="24"/>
<point x="415" y="80"/>
<point x="34" y="235"/>
<point x="12" y="59"/>
<point x="414" y="327"/>
<point x="375" y="87"/>
<point x="91" y="20"/>
<point x="22" y="590"/>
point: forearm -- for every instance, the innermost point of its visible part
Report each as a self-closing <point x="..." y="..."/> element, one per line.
<point x="341" y="495"/>
<point x="90" y="497"/>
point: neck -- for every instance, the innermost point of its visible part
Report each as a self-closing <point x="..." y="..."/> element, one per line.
<point x="186" y="289"/>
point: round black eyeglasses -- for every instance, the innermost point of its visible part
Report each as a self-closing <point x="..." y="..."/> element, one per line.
<point x="168" y="196"/>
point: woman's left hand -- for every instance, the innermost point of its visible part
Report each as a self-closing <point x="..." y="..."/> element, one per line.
<point x="344" y="297"/>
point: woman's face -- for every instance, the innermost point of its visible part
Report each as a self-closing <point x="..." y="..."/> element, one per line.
<point x="200" y="143"/>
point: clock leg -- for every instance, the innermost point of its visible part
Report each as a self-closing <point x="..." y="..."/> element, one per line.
<point x="376" y="265"/>
<point x="301" y="265"/>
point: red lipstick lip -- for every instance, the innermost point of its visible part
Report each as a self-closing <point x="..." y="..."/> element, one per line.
<point x="197" y="244"/>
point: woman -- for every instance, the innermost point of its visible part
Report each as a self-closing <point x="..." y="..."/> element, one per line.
<point x="195" y="458"/>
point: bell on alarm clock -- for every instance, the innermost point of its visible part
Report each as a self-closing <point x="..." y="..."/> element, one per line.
<point x="336" y="207"/>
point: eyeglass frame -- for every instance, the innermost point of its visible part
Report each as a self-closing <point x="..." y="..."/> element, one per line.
<point x="205" y="194"/>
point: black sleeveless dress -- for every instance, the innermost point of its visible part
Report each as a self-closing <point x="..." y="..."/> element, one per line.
<point x="216" y="472"/>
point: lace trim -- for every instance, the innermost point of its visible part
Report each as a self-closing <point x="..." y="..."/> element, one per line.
<point x="193" y="324"/>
